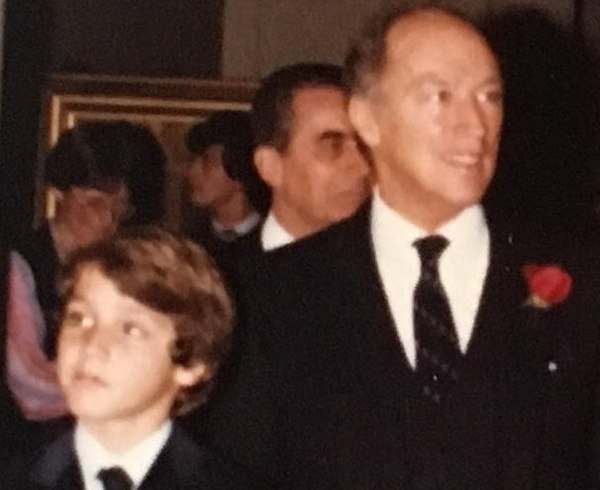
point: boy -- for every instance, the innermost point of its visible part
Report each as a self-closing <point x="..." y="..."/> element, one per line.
<point x="146" y="321"/>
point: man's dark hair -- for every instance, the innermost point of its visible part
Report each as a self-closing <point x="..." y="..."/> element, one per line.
<point x="366" y="57"/>
<point x="272" y="106"/>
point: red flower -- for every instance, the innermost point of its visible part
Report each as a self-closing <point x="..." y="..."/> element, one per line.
<point x="548" y="285"/>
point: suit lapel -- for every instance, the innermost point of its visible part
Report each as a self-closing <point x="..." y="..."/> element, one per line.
<point x="180" y="465"/>
<point x="498" y="350"/>
<point x="57" y="468"/>
<point x="374" y="301"/>
<point x="501" y="300"/>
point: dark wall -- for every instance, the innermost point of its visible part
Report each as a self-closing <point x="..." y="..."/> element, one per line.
<point x="26" y="54"/>
<point x="548" y="169"/>
<point x="132" y="37"/>
<point x="162" y="38"/>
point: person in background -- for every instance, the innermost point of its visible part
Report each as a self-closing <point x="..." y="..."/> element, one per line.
<point x="307" y="152"/>
<point x="29" y="396"/>
<point x="97" y="176"/>
<point x="221" y="149"/>
<point x="310" y="157"/>
<point x="145" y="324"/>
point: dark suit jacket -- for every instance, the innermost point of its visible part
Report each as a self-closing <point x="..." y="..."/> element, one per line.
<point x="326" y="397"/>
<point x="182" y="464"/>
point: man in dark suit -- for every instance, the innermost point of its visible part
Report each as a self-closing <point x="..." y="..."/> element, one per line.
<point x="306" y="151"/>
<point x="221" y="154"/>
<point x="414" y="345"/>
<point x="309" y="155"/>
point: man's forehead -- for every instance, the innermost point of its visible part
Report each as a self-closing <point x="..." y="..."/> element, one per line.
<point x="316" y="105"/>
<point x="433" y="31"/>
<point x="314" y="96"/>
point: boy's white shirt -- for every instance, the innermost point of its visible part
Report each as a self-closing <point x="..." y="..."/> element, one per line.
<point x="136" y="462"/>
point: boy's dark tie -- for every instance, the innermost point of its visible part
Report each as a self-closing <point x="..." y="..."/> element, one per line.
<point x="115" y="478"/>
<point x="438" y="353"/>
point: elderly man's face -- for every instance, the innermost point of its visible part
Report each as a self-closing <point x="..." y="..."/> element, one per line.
<point x="324" y="176"/>
<point x="435" y="114"/>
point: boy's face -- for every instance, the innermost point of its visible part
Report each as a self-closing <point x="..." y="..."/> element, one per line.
<point x="113" y="356"/>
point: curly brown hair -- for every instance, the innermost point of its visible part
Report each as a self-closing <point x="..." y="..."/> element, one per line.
<point x="175" y="277"/>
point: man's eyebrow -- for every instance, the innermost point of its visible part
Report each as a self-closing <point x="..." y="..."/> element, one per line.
<point x="334" y="134"/>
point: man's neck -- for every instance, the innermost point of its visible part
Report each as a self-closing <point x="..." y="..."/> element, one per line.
<point x="428" y="217"/>
<point x="233" y="211"/>
<point x="292" y="222"/>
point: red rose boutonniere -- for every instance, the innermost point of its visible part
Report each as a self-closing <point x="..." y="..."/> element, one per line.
<point x="548" y="285"/>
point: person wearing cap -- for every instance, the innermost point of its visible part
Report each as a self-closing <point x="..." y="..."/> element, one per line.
<point x="221" y="149"/>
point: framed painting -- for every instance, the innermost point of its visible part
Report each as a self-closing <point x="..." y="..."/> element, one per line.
<point x="168" y="107"/>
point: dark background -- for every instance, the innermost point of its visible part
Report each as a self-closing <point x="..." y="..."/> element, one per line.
<point x="174" y="38"/>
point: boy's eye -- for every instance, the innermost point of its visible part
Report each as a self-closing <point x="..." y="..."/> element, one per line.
<point x="76" y="319"/>
<point x="134" y="329"/>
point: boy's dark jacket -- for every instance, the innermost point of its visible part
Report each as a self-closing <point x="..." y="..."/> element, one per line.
<point x="181" y="465"/>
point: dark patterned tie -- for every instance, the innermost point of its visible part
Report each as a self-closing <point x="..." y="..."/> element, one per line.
<point x="115" y="478"/>
<point x="438" y="353"/>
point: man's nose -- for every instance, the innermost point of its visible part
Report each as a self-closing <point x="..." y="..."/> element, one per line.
<point x="356" y="162"/>
<point x="470" y="117"/>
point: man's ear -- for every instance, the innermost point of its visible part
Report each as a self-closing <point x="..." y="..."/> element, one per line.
<point x="269" y="166"/>
<point x="360" y="110"/>
<point x="186" y="376"/>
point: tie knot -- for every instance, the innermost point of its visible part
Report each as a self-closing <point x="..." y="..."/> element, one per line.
<point x="430" y="248"/>
<point x="115" y="478"/>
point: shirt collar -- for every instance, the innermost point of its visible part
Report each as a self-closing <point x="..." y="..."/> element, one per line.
<point x="391" y="230"/>
<point x="241" y="228"/>
<point x="136" y="461"/>
<point x="273" y="235"/>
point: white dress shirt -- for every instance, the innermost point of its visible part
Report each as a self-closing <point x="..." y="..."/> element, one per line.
<point x="136" y="462"/>
<point x="463" y="267"/>
<point x="240" y="229"/>
<point x="273" y="235"/>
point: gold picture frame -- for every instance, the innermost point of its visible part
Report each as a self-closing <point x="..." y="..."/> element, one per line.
<point x="168" y="107"/>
